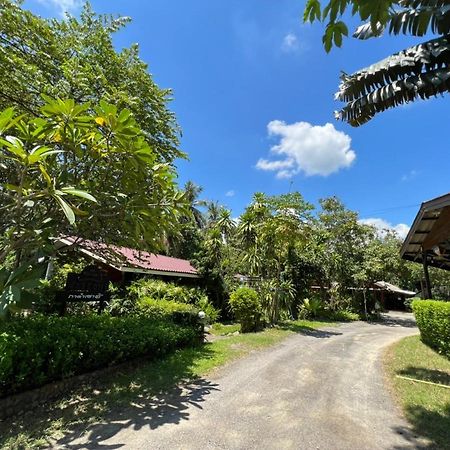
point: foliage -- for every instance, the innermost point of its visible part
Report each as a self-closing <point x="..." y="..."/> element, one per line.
<point x="50" y="166"/>
<point x="311" y="308"/>
<point x="45" y="293"/>
<point x="37" y="350"/>
<point x="76" y="58"/>
<point x="220" y="329"/>
<point x="166" y="309"/>
<point x="342" y="315"/>
<point x="15" y="287"/>
<point x="246" y="307"/>
<point x="268" y="232"/>
<point x="417" y="72"/>
<point x="433" y="320"/>
<point x="160" y="290"/>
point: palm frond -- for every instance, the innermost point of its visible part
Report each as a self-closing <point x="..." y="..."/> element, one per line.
<point x="421" y="71"/>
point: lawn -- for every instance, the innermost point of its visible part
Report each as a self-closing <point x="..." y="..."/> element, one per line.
<point x="425" y="405"/>
<point x="134" y="391"/>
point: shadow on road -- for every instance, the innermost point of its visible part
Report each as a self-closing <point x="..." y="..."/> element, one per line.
<point x="292" y="326"/>
<point x="395" y="320"/>
<point x="150" y="394"/>
<point x="169" y="407"/>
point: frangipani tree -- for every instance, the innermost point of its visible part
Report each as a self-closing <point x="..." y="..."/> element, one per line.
<point x="80" y="170"/>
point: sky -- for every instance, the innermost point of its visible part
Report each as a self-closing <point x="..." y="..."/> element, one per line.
<point x="253" y="91"/>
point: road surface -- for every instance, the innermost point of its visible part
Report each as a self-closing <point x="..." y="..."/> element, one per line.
<point x="322" y="390"/>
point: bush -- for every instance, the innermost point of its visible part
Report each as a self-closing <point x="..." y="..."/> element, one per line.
<point x="433" y="320"/>
<point x="343" y="315"/>
<point x="160" y="290"/>
<point x="246" y="307"/>
<point x="311" y="308"/>
<point x="163" y="309"/>
<point x="37" y="350"/>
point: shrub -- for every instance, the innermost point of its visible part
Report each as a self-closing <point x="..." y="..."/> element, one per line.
<point x="37" y="349"/>
<point x="311" y="308"/>
<point x="163" y="309"/>
<point x="433" y="320"/>
<point x="246" y="307"/>
<point x="160" y="290"/>
<point x="343" y="315"/>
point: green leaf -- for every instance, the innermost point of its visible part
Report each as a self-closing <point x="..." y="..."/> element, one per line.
<point x="312" y="11"/>
<point x="66" y="208"/>
<point x="41" y="153"/>
<point x="79" y="193"/>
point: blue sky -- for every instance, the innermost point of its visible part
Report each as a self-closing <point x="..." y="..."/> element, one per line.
<point x="253" y="93"/>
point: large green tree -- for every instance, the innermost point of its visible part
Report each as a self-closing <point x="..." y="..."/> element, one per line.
<point x="75" y="58"/>
<point x="70" y="172"/>
<point x="421" y="71"/>
<point x="269" y="230"/>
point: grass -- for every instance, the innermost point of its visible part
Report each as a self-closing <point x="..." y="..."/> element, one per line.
<point x="426" y="406"/>
<point x="146" y="395"/>
<point x="220" y="329"/>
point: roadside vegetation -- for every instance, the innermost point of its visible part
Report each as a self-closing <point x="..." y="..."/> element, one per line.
<point x="135" y="390"/>
<point x="420" y="378"/>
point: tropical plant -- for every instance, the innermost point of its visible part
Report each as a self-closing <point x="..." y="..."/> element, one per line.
<point x="420" y="71"/>
<point x="246" y="307"/>
<point x="268" y="231"/>
<point x="311" y="308"/>
<point x="52" y="166"/>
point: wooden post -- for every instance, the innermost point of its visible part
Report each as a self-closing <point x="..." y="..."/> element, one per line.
<point x="427" y="287"/>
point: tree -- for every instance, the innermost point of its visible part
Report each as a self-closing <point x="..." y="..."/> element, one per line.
<point x="185" y="240"/>
<point x="192" y="192"/>
<point x="269" y="229"/>
<point x="69" y="172"/>
<point x="421" y="71"/>
<point x="76" y="58"/>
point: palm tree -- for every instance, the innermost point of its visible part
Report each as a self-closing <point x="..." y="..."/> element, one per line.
<point x="191" y="193"/>
<point x="213" y="213"/>
<point x="226" y="224"/>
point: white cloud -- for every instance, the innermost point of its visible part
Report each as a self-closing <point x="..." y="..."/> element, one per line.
<point x="290" y="43"/>
<point x="410" y="175"/>
<point x="62" y="6"/>
<point x="312" y="149"/>
<point x="230" y="193"/>
<point x="382" y="226"/>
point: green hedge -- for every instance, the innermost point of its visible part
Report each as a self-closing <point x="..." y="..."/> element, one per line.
<point x="433" y="320"/>
<point x="38" y="350"/>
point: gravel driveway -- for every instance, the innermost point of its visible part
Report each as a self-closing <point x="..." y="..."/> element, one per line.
<point x="322" y="390"/>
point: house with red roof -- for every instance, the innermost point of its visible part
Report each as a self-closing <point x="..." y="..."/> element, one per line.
<point x="122" y="263"/>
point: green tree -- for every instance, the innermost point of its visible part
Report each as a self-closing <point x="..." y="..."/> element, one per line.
<point x="70" y="172"/>
<point x="421" y="71"/>
<point x="185" y="240"/>
<point x="75" y="58"/>
<point x="269" y="230"/>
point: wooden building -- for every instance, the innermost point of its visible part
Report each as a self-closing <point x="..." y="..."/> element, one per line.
<point x="428" y="240"/>
<point x="123" y="264"/>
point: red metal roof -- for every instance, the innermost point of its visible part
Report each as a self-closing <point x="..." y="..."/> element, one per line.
<point x="128" y="259"/>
